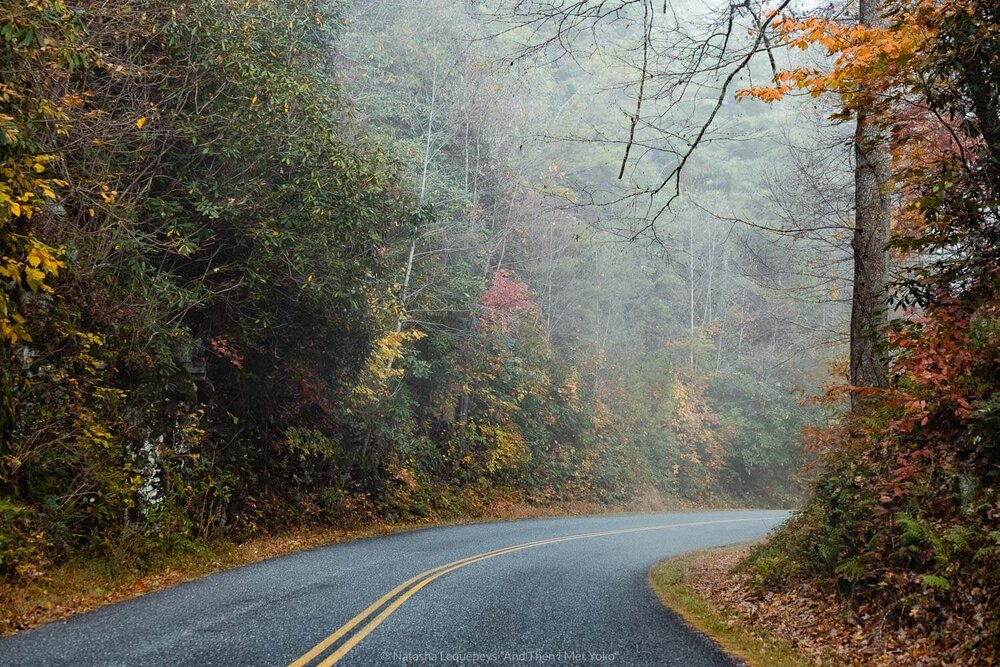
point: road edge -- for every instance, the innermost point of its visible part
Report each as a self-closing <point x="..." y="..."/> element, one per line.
<point x="753" y="646"/>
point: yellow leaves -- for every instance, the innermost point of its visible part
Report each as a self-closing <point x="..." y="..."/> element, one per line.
<point x="382" y="365"/>
<point x="90" y="338"/>
<point x="21" y="187"/>
<point x="98" y="435"/>
<point x="11" y="322"/>
<point x="509" y="447"/>
<point x="40" y="262"/>
<point x="12" y="327"/>
<point x="73" y="100"/>
<point x="8" y="93"/>
<point x="11" y="270"/>
<point x="390" y="345"/>
<point x="36" y="280"/>
<point x="139" y="123"/>
<point x="41" y="257"/>
<point x="34" y="258"/>
<point x="107" y="194"/>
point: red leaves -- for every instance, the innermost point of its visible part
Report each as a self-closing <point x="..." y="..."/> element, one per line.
<point x="936" y="360"/>
<point x="311" y="389"/>
<point x="222" y="346"/>
<point x="505" y="301"/>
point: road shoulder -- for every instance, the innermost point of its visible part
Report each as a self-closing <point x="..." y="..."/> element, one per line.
<point x="672" y="579"/>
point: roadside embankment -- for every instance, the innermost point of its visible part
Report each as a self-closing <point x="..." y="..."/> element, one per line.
<point x="689" y="584"/>
<point x="797" y="625"/>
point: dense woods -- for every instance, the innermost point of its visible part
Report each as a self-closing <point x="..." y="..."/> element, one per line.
<point x="275" y="263"/>
<point x="272" y="264"/>
<point x="901" y="521"/>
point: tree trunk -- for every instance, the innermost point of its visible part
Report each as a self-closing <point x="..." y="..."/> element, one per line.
<point x="691" y="290"/>
<point x="423" y="191"/>
<point x="869" y="314"/>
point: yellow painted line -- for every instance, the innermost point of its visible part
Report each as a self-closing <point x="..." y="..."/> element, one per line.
<point x="344" y="629"/>
<point x="424" y="578"/>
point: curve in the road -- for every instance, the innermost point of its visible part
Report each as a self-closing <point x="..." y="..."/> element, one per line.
<point x="414" y="584"/>
<point x="565" y="591"/>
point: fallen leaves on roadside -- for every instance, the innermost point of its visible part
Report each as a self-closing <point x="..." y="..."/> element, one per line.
<point x="824" y="628"/>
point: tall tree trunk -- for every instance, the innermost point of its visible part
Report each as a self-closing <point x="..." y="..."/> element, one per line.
<point x="691" y="291"/>
<point x="869" y="314"/>
<point x="423" y="191"/>
<point x="743" y="318"/>
<point x="706" y="317"/>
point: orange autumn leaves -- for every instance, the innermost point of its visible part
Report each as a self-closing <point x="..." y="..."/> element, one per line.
<point x="881" y="70"/>
<point x="871" y="66"/>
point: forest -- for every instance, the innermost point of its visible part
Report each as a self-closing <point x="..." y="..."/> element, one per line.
<point x="274" y="264"/>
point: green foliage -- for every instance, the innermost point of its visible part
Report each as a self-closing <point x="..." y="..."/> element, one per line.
<point x="213" y="325"/>
<point x="21" y="546"/>
<point x="221" y="221"/>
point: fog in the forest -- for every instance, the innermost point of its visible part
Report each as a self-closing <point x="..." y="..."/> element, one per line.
<point x="278" y="272"/>
<point x="708" y="273"/>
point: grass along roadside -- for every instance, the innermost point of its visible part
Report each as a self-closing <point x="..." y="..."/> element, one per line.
<point x="755" y="646"/>
<point x="84" y="584"/>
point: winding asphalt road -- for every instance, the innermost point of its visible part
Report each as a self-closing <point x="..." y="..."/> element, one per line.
<point x="541" y="592"/>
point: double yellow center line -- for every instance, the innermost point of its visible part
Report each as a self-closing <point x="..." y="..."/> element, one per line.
<point x="404" y="591"/>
